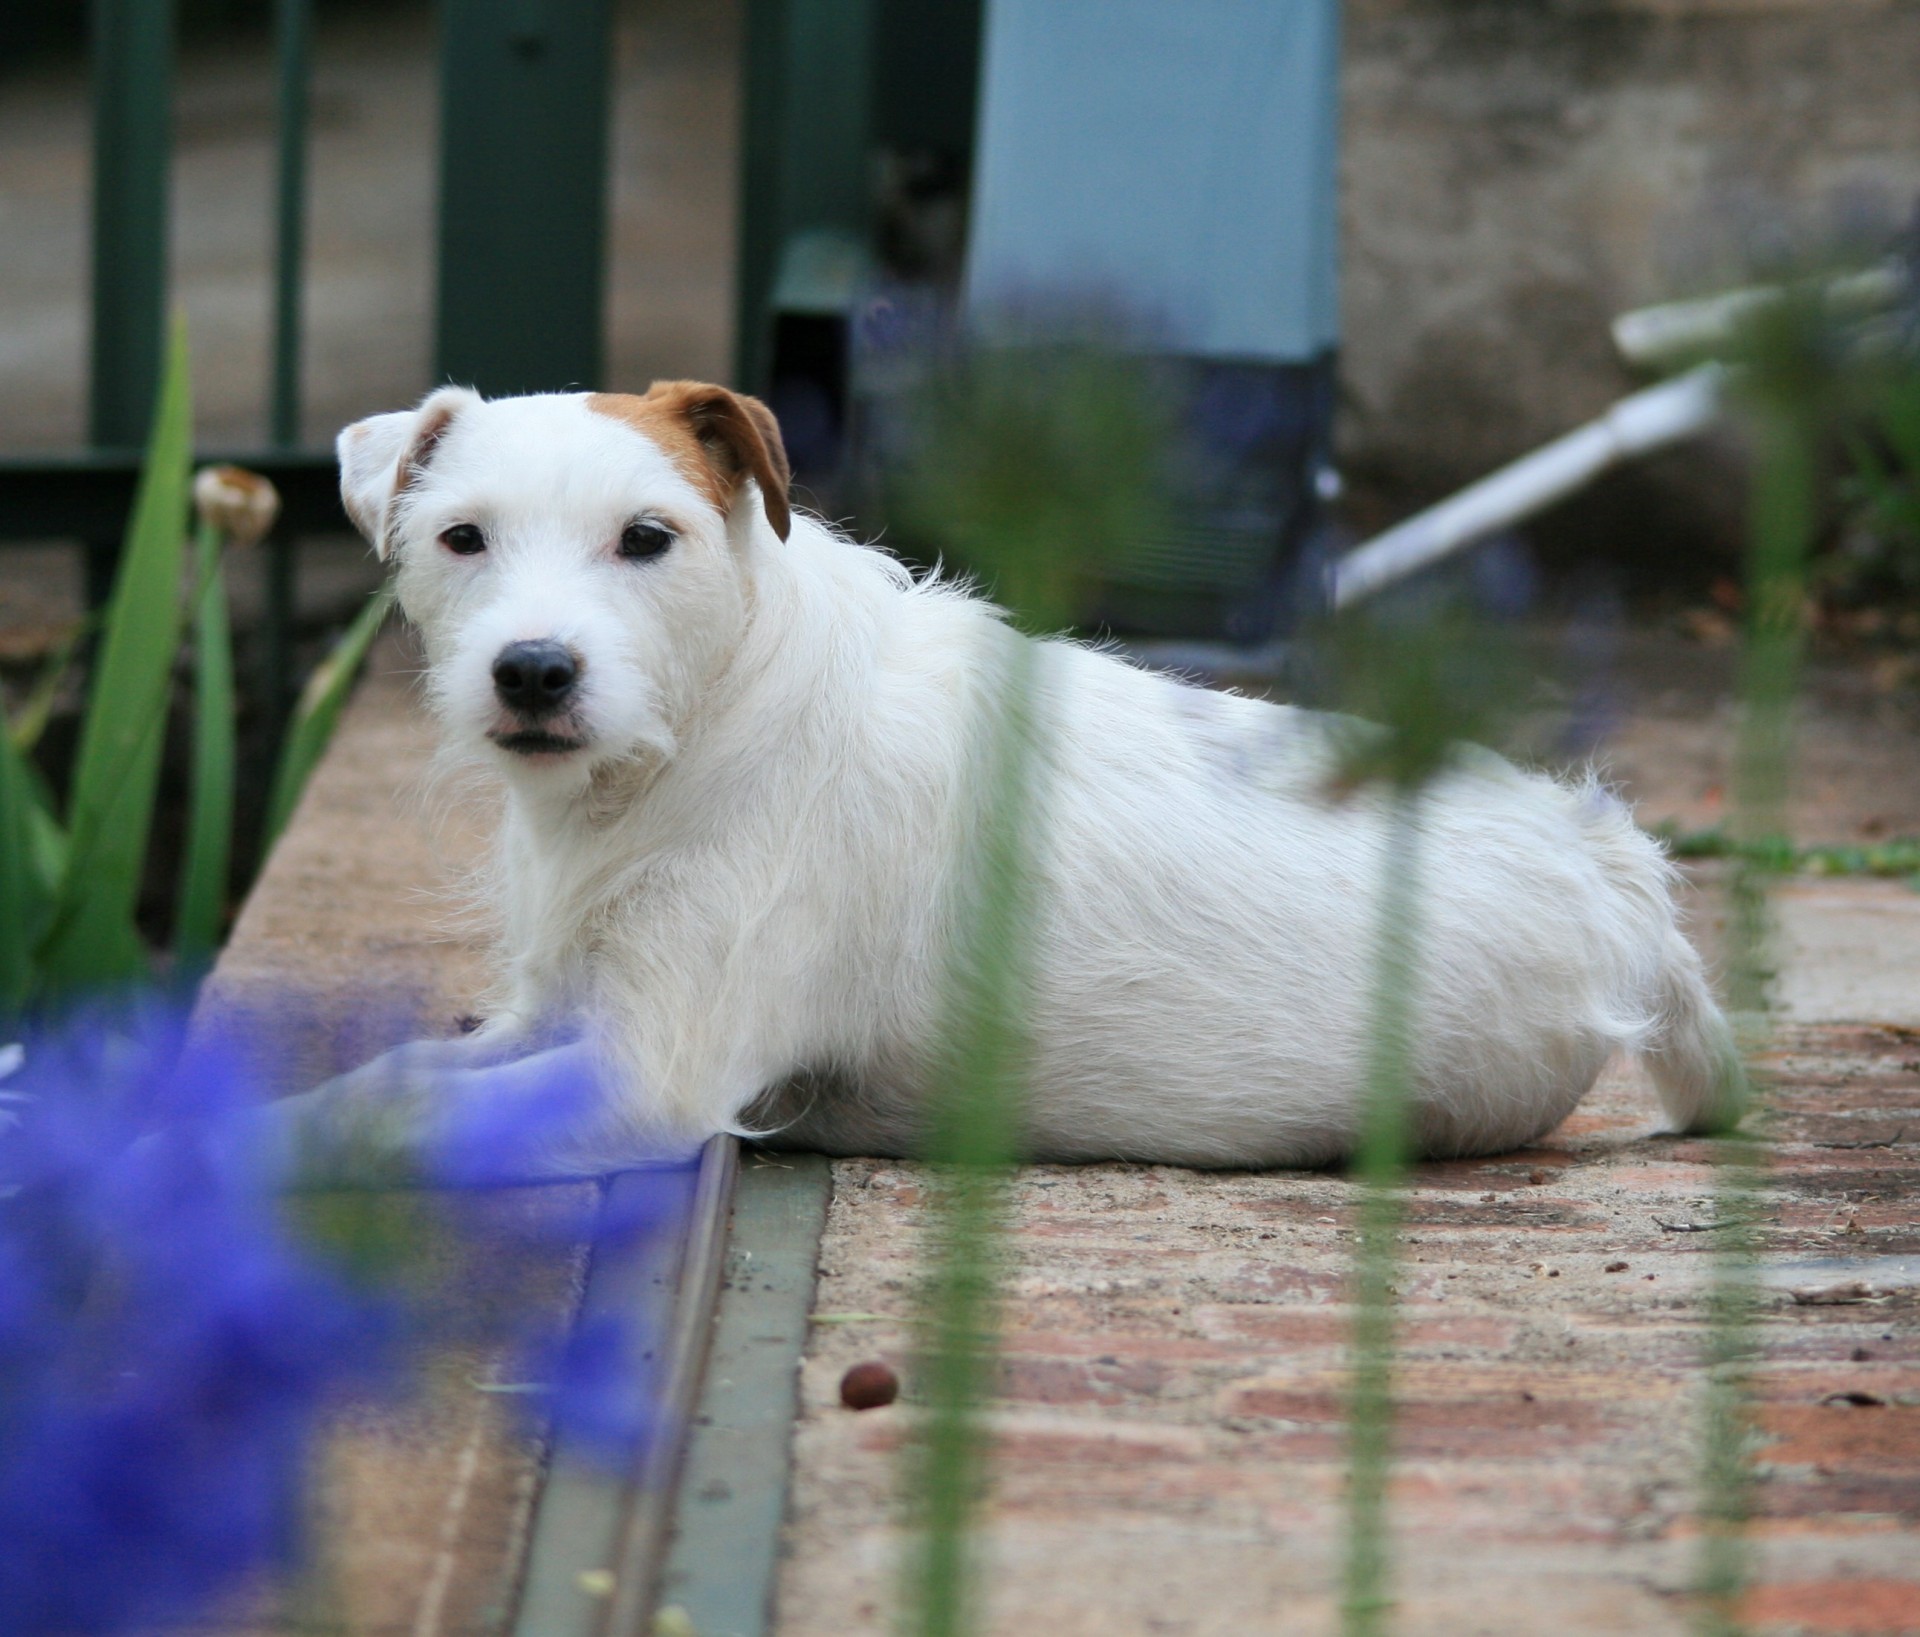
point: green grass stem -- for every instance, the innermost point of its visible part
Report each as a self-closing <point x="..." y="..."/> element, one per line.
<point x="17" y="909"/>
<point x="1896" y="856"/>
<point x="1784" y="505"/>
<point x="973" y="1145"/>
<point x="209" y="847"/>
<point x="1381" y="1162"/>
<point x="30" y="721"/>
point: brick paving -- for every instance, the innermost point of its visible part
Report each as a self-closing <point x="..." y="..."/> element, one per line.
<point x="1168" y="1420"/>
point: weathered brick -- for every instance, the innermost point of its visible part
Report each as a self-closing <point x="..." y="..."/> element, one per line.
<point x="1882" y="1438"/>
<point x="1858" y="1608"/>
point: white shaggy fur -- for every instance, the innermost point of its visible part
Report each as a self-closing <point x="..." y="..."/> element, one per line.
<point x="737" y="895"/>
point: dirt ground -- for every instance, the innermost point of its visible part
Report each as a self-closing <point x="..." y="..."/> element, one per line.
<point x="1669" y="732"/>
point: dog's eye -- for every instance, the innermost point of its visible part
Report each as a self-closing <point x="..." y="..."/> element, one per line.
<point x="463" y="539"/>
<point x="644" y="540"/>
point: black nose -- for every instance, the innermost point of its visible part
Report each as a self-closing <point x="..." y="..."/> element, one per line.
<point x="534" y="678"/>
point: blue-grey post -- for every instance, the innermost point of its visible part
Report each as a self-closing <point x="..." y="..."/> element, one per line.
<point x="1179" y="160"/>
<point x="1171" y="172"/>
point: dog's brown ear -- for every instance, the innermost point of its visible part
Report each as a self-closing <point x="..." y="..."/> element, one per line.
<point x="384" y="455"/>
<point x="738" y="438"/>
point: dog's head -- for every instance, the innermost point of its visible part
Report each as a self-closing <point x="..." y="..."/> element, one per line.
<point x="580" y="565"/>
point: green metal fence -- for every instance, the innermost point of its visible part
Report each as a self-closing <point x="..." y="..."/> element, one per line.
<point x="519" y="232"/>
<point x="519" y="235"/>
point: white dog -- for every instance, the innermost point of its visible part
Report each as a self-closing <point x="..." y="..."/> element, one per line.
<point x="742" y="768"/>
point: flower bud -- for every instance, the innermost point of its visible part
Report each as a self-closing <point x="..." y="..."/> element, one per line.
<point x="236" y="503"/>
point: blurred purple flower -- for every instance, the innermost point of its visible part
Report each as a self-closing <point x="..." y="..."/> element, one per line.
<point x="165" y="1347"/>
<point x="1590" y="661"/>
<point x="1504" y="579"/>
<point x="597" y="1386"/>
<point x="594" y="1382"/>
<point x="169" y="1344"/>
<point x="486" y="1143"/>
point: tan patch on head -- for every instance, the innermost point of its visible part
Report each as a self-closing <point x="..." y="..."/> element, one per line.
<point x="716" y="438"/>
<point x="655" y="419"/>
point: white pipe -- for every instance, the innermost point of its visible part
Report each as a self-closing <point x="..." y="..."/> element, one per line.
<point x="1649" y="420"/>
<point x="1662" y="337"/>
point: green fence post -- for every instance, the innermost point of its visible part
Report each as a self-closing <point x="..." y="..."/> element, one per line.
<point x="758" y="233"/>
<point x="523" y="189"/>
<point x="293" y="32"/>
<point x="805" y="139"/>
<point x="293" y="29"/>
<point x="132" y="105"/>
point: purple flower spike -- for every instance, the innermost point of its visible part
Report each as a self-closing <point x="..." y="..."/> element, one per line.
<point x="169" y="1346"/>
<point x="166" y="1349"/>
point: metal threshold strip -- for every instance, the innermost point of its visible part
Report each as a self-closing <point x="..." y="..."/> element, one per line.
<point x="695" y="1525"/>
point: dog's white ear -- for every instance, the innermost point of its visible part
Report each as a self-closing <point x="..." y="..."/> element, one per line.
<point x="369" y="451"/>
<point x="738" y="438"/>
<point x="382" y="455"/>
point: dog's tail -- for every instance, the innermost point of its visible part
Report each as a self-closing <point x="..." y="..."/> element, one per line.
<point x="1693" y="1057"/>
<point x="1685" y="1039"/>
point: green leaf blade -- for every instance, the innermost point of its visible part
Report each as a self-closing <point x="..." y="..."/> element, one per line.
<point x="92" y="939"/>
<point x="17" y="910"/>
<point x="318" y="712"/>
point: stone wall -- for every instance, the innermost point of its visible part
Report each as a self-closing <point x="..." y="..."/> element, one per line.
<point x="1516" y="172"/>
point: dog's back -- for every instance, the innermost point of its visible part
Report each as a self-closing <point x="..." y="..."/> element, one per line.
<point x="1205" y="925"/>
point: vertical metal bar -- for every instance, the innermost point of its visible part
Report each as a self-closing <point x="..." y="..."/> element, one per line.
<point x="132" y="70"/>
<point x="762" y="116"/>
<point x="524" y="96"/>
<point x="827" y="115"/>
<point x="806" y="134"/>
<point x="600" y="1534"/>
<point x="293" y="29"/>
<point x="132" y="82"/>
